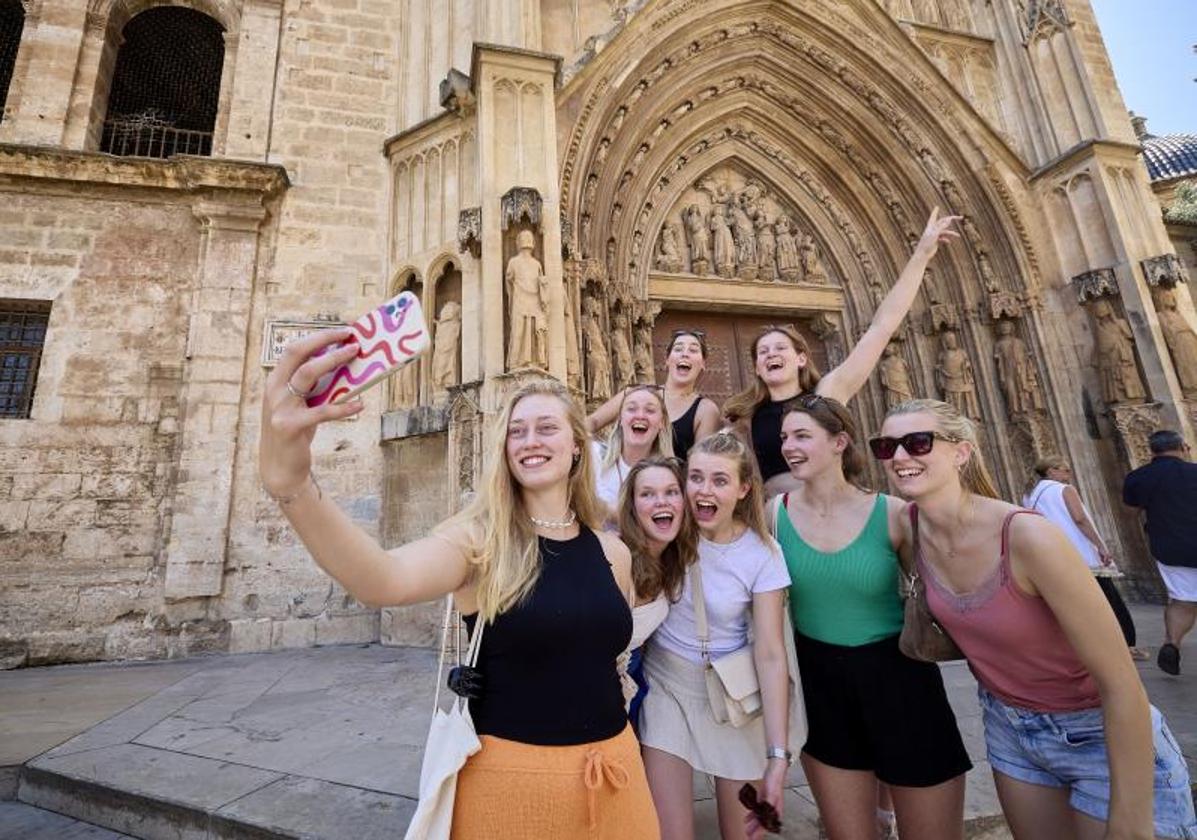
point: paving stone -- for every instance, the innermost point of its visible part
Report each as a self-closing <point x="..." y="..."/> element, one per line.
<point x="19" y="821"/>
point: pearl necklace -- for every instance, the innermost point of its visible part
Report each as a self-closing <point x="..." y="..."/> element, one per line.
<point x="555" y="525"/>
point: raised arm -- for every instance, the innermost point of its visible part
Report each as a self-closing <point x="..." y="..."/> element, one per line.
<point x="604" y="415"/>
<point x="419" y="571"/>
<point x="1055" y="571"/>
<point x="707" y="421"/>
<point x="842" y="382"/>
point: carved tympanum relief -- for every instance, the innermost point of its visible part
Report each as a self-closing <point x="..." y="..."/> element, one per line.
<point x="735" y="226"/>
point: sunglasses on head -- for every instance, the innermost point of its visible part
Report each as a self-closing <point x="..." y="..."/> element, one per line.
<point x="765" y="813"/>
<point x="915" y="443"/>
<point x="676" y="334"/>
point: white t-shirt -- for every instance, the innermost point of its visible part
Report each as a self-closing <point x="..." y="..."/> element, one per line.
<point x="731" y="574"/>
<point x="1048" y="498"/>
<point x="607" y="481"/>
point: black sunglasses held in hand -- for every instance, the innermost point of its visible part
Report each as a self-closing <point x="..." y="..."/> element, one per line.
<point x="915" y="443"/>
<point x="765" y="813"/>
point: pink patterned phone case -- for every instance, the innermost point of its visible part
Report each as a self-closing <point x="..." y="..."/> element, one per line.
<point x="389" y="337"/>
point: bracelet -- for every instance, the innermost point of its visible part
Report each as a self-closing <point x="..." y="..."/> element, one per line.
<point x="283" y="501"/>
<point x="780" y="752"/>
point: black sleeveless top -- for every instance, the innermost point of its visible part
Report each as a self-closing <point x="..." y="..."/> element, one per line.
<point x="766" y="438"/>
<point x="683" y="429"/>
<point x="549" y="662"/>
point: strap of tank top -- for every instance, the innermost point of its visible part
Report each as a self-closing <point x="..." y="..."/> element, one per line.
<point x="1006" y="533"/>
<point x="700" y="611"/>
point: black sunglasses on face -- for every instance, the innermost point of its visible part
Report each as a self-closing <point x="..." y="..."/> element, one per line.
<point x="915" y="443"/>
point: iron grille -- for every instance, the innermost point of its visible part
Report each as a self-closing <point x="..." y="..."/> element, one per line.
<point x="23" y="326"/>
<point x="166" y="85"/>
<point x="12" y="22"/>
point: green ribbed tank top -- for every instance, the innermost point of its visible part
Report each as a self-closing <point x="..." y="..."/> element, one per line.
<point x="847" y="597"/>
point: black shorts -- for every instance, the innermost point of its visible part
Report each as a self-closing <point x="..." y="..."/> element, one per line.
<point x="871" y="708"/>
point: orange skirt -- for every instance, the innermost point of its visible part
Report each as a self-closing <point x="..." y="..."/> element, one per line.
<point x="514" y="791"/>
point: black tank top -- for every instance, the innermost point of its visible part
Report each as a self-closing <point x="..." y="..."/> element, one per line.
<point x="766" y="438"/>
<point x="683" y="430"/>
<point x="549" y="662"/>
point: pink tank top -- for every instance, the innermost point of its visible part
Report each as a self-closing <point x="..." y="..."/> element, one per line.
<point x="1014" y="644"/>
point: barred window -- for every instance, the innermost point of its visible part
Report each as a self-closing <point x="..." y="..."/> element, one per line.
<point x="166" y="85"/>
<point x="22" y="334"/>
<point x="12" y="22"/>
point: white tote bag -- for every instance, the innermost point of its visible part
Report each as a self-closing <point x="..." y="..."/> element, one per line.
<point x="451" y="740"/>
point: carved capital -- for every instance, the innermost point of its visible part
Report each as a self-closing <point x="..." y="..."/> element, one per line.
<point x="824" y="326"/>
<point x="1165" y="270"/>
<point x="1045" y="18"/>
<point x="1004" y="304"/>
<point x="519" y="204"/>
<point x="469" y="231"/>
<point x="569" y="248"/>
<point x="1099" y="283"/>
<point x="1134" y="424"/>
<point x="939" y="317"/>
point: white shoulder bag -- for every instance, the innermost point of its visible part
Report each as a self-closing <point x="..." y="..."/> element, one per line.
<point x="451" y="740"/>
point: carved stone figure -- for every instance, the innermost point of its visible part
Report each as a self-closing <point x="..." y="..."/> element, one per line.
<point x="700" y="240"/>
<point x="405" y="392"/>
<point x="954" y="375"/>
<point x="745" y="236"/>
<point x="446" y="351"/>
<point x="573" y="357"/>
<point x="1016" y="371"/>
<point x="766" y="248"/>
<point x="812" y="266"/>
<point x="724" y="243"/>
<point x="1120" y="380"/>
<point x="1181" y="340"/>
<point x="621" y="351"/>
<point x="598" y="362"/>
<point x="988" y="277"/>
<point x="528" y="299"/>
<point x="669" y="257"/>
<point x="789" y="264"/>
<point x="644" y="352"/>
<point x="895" y="376"/>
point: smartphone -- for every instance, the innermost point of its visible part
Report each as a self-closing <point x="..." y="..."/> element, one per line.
<point x="389" y="337"/>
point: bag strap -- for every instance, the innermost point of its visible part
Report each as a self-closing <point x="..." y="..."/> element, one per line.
<point x="700" y="611"/>
<point x="913" y="572"/>
<point x="1038" y="495"/>
<point x="452" y="624"/>
<point x="779" y="505"/>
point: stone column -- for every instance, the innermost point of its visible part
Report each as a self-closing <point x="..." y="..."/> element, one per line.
<point x="87" y="93"/>
<point x="247" y="109"/>
<point x="51" y="44"/>
<point x="211" y="394"/>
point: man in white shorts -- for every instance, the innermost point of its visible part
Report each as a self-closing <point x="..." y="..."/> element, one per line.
<point x="1166" y="491"/>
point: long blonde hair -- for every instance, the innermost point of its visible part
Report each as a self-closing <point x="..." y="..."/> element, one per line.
<point x="651" y="575"/>
<point x="503" y="546"/>
<point x="662" y="445"/>
<point x="974" y="475"/>
<point x="751" y="509"/>
<point x="740" y="407"/>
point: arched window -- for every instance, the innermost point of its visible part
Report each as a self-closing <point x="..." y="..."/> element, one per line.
<point x="12" y="21"/>
<point x="166" y="85"/>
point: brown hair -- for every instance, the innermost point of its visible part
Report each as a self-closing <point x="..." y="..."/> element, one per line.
<point x="697" y="335"/>
<point x="751" y="509"/>
<point x="832" y="417"/>
<point x="974" y="475"/>
<point x="654" y="575"/>
<point x="743" y="405"/>
<point x="1039" y="471"/>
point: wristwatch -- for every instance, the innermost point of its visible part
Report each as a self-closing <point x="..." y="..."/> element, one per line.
<point x="782" y="753"/>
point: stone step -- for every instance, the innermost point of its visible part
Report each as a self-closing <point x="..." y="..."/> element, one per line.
<point x="19" y="821"/>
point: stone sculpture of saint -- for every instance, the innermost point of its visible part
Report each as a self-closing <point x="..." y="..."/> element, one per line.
<point x="625" y="365"/>
<point x="700" y="240"/>
<point x="766" y="248"/>
<point x="745" y="236"/>
<point x="1120" y="380"/>
<point x="446" y="347"/>
<point x="1016" y="372"/>
<point x="669" y="257"/>
<point x="895" y="376"/>
<point x="1180" y="338"/>
<point x="644" y="353"/>
<point x="789" y="264"/>
<point x="954" y="374"/>
<point x="598" y="362"/>
<point x="724" y="243"/>
<point x="528" y="299"/>
<point x="812" y="266"/>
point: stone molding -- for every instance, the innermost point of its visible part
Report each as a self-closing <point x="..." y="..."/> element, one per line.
<point x="519" y="204"/>
<point x="469" y="231"/>
<point x="1099" y="283"/>
<point x="1045" y="18"/>
<point x="1165" y="271"/>
<point x="1134" y="424"/>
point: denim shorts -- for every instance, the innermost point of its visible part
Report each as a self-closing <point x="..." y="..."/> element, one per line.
<point x="1068" y="749"/>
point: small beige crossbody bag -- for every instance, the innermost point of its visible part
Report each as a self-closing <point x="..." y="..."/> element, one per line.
<point x="732" y="686"/>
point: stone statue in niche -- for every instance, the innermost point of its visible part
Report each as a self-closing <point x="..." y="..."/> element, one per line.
<point x="724" y="243"/>
<point x="528" y="299"/>
<point x="744" y="233"/>
<point x="766" y="248"/>
<point x="1016" y="371"/>
<point x="812" y="265"/>
<point x="988" y="277"/>
<point x="669" y="257"/>
<point x="1120" y="380"/>
<point x="1180" y="338"/>
<point x="598" y="362"/>
<point x="446" y="348"/>
<point x="573" y="357"/>
<point x="788" y="261"/>
<point x="405" y="392"/>
<point x="610" y="260"/>
<point x="625" y="365"/>
<point x="954" y="375"/>
<point x="644" y="352"/>
<point x="895" y="376"/>
<point x="700" y="240"/>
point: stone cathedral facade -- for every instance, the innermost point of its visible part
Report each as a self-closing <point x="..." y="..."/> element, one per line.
<point x="171" y="217"/>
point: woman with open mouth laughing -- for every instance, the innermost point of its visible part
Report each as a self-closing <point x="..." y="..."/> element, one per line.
<point x="696" y="415"/>
<point x="656" y="526"/>
<point x="743" y="579"/>
<point x="642" y="430"/>
<point x="874" y="714"/>
<point x="1075" y="748"/>
<point x="784" y="368"/>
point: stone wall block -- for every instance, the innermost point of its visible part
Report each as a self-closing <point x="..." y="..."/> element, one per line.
<point x="25" y="547"/>
<point x="250" y="635"/>
<point x="13" y="514"/>
<point x="347" y="629"/>
<point x="46" y="486"/>
<point x="57" y="516"/>
<point x="293" y="633"/>
<point x="53" y="647"/>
